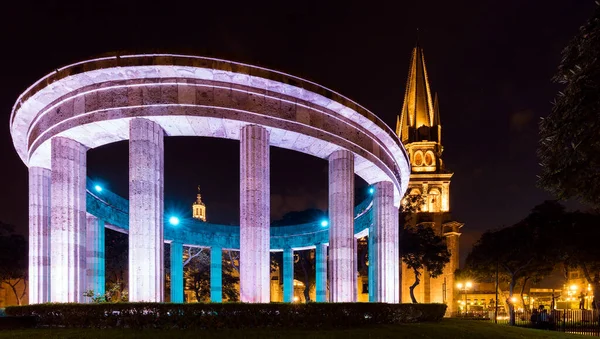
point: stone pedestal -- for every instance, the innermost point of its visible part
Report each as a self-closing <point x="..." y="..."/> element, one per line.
<point x="288" y="275"/>
<point x="146" y="186"/>
<point x="341" y="230"/>
<point x="39" y="235"/>
<point x="216" y="274"/>
<point x="176" y="272"/>
<point x="95" y="270"/>
<point x="254" y="214"/>
<point x="321" y="274"/>
<point x="383" y="241"/>
<point x="68" y="223"/>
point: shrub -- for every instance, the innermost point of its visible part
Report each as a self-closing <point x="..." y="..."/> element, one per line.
<point x="227" y="315"/>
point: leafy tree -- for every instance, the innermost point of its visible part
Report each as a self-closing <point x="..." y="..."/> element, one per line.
<point x="197" y="275"/>
<point x="422" y="249"/>
<point x="579" y="248"/>
<point x="13" y="260"/>
<point x="521" y="252"/>
<point x="569" y="149"/>
<point x="116" y="265"/>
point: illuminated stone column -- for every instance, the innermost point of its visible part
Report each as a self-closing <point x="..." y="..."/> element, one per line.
<point x="68" y="223"/>
<point x="288" y="275"/>
<point x="254" y="215"/>
<point x="321" y="274"/>
<point x="216" y="274"/>
<point x="39" y="235"/>
<point x="95" y="270"/>
<point x="341" y="221"/>
<point x="176" y="272"/>
<point x="383" y="238"/>
<point x="355" y="275"/>
<point x="146" y="185"/>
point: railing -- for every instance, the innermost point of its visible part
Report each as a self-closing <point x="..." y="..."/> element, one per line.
<point x="570" y="321"/>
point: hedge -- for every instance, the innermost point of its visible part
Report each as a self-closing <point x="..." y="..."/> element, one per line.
<point x="227" y="315"/>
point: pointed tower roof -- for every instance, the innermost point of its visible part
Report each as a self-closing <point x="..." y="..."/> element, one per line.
<point x="198" y="198"/>
<point x="418" y="109"/>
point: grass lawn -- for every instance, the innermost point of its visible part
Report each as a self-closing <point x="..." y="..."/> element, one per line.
<point x="447" y="329"/>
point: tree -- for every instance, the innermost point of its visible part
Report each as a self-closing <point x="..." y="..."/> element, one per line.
<point x="521" y="252"/>
<point x="197" y="275"/>
<point x="422" y="249"/>
<point x="579" y="248"/>
<point x="305" y="270"/>
<point x="13" y="261"/>
<point x="116" y="265"/>
<point x="569" y="149"/>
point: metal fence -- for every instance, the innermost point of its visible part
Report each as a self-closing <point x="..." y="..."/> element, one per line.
<point x="569" y="321"/>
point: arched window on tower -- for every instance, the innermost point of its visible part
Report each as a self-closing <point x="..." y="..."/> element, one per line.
<point x="434" y="199"/>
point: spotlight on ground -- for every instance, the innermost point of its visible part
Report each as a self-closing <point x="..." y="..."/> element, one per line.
<point x="174" y="221"/>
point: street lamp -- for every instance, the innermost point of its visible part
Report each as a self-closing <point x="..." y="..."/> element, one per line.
<point x="464" y="287"/>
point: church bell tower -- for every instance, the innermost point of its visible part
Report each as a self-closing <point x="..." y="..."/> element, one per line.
<point x="419" y="128"/>
<point x="198" y="208"/>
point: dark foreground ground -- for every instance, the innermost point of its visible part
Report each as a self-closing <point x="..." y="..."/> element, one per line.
<point x="448" y="329"/>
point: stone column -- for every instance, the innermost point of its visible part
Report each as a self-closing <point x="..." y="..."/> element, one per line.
<point x="95" y="271"/>
<point x="216" y="274"/>
<point x="341" y="230"/>
<point x="288" y="275"/>
<point x="355" y="273"/>
<point x="146" y="186"/>
<point x="254" y="215"/>
<point x="383" y="237"/>
<point x="176" y="272"/>
<point x="372" y="266"/>
<point x="39" y="235"/>
<point x="321" y="274"/>
<point x="68" y="223"/>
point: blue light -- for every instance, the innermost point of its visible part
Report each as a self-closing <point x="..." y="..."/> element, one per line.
<point x="98" y="188"/>
<point x="174" y="221"/>
<point x="324" y="223"/>
<point x="371" y="190"/>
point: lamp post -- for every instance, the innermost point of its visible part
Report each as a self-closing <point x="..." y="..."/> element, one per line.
<point x="464" y="287"/>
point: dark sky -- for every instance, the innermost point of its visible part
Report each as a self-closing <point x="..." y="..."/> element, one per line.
<point x="490" y="62"/>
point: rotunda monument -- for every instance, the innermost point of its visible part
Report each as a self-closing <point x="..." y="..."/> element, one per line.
<point x="145" y="98"/>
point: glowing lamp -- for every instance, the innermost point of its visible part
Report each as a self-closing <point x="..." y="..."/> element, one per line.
<point x="174" y="221"/>
<point x="98" y="188"/>
<point x="324" y="223"/>
<point x="296" y="299"/>
<point x="573" y="287"/>
<point x="513" y="300"/>
<point x="459" y="286"/>
<point x="468" y="284"/>
<point x="371" y="190"/>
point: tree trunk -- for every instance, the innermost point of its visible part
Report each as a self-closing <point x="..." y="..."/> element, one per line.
<point x="511" y="306"/>
<point x="412" y="287"/>
<point x="306" y="282"/>
<point x="595" y="282"/>
<point x="523" y="290"/>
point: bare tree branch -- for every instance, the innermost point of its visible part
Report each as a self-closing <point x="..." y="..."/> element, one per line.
<point x="192" y="255"/>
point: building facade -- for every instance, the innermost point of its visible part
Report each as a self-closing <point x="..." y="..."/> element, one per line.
<point x="420" y="130"/>
<point x="198" y="207"/>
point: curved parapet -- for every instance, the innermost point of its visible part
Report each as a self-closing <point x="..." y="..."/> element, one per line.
<point x="113" y="209"/>
<point x="92" y="102"/>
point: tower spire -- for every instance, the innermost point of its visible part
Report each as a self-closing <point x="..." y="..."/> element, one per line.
<point x="417" y="110"/>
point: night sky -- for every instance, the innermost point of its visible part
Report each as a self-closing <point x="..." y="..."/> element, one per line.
<point x="490" y="62"/>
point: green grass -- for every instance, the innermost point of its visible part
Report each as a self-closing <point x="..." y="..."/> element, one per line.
<point x="447" y="329"/>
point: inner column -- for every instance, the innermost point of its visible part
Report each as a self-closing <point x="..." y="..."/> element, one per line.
<point x="321" y="274"/>
<point x="254" y="214"/>
<point x="176" y="272"/>
<point x="288" y="275"/>
<point x="341" y="230"/>
<point x="216" y="274"/>
<point x="39" y="235"/>
<point x="146" y="194"/>
<point x="95" y="271"/>
<point x="68" y="223"/>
